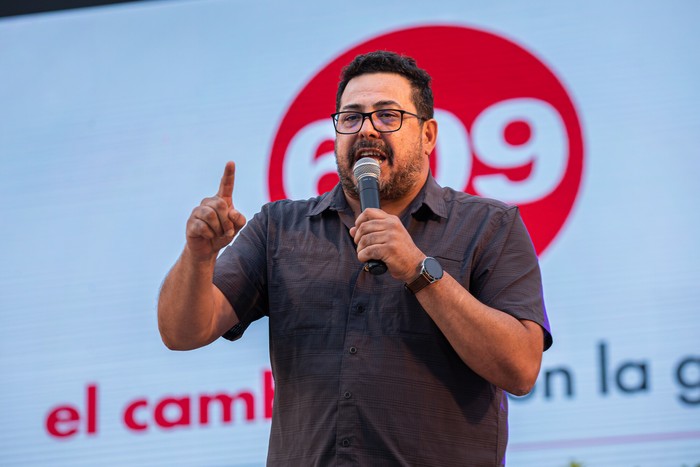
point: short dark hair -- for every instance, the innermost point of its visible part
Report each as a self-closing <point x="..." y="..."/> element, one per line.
<point x="383" y="61"/>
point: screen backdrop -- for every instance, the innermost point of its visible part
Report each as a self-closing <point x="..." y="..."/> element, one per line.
<point x="116" y="121"/>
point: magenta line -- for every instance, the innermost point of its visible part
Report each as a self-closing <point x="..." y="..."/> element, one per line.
<point x="606" y="441"/>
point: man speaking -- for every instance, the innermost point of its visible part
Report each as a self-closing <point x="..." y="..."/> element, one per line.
<point x="407" y="367"/>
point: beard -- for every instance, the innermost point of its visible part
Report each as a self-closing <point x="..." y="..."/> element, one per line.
<point x="401" y="180"/>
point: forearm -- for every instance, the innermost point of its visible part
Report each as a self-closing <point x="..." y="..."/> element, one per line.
<point x="187" y="308"/>
<point x="500" y="348"/>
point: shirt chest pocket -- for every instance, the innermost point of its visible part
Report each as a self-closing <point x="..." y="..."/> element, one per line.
<point x="400" y="313"/>
<point x="306" y="290"/>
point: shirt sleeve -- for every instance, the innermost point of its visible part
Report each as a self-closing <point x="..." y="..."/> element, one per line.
<point x="241" y="274"/>
<point x="507" y="273"/>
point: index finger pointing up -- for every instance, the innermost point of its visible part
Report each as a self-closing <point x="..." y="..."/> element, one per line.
<point x="227" y="180"/>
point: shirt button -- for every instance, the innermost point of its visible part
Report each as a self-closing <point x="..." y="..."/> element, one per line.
<point x="360" y="309"/>
<point x="353" y="350"/>
<point x="345" y="442"/>
<point x="347" y="395"/>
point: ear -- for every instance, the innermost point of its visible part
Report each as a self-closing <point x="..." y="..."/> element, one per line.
<point x="429" y="135"/>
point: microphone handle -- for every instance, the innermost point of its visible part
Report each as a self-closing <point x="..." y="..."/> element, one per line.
<point x="376" y="267"/>
<point x="368" y="189"/>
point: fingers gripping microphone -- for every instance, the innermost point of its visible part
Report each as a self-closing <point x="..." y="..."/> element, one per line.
<point x="366" y="173"/>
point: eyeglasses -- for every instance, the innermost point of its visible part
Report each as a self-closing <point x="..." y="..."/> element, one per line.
<point x="383" y="120"/>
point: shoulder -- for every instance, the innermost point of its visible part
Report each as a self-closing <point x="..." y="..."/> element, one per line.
<point x="459" y="202"/>
<point x="287" y="213"/>
<point x="285" y="207"/>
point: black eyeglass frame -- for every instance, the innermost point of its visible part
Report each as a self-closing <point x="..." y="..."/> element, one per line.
<point x="368" y="115"/>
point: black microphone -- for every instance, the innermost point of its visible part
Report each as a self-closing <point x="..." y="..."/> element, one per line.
<point x="366" y="172"/>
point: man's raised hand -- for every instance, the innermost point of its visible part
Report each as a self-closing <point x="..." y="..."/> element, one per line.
<point x="213" y="224"/>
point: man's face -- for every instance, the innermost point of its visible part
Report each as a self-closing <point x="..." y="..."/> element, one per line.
<point x="402" y="154"/>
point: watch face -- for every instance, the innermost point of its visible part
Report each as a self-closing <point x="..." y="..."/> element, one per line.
<point x="433" y="268"/>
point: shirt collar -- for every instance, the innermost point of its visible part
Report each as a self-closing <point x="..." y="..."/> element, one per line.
<point x="428" y="201"/>
<point x="333" y="200"/>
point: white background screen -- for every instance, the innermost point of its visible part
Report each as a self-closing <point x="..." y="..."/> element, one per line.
<point x="116" y="121"/>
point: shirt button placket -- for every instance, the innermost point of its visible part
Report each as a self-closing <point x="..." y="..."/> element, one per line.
<point x="347" y="416"/>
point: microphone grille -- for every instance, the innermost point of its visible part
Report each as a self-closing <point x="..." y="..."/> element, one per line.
<point x="366" y="167"/>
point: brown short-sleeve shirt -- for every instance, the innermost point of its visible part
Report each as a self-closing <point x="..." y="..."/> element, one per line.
<point x="362" y="374"/>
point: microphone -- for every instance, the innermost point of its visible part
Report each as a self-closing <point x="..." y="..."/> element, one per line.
<point x="366" y="172"/>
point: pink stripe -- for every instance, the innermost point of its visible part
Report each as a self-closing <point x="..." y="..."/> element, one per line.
<point x="607" y="441"/>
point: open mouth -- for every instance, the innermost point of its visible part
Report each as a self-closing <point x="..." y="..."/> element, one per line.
<point x="369" y="152"/>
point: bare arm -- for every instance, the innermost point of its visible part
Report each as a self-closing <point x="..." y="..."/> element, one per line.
<point x="192" y="312"/>
<point x="500" y="348"/>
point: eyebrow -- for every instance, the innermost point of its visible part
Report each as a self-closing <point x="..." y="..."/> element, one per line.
<point x="384" y="103"/>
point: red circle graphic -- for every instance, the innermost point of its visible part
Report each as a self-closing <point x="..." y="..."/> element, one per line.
<point x="513" y="132"/>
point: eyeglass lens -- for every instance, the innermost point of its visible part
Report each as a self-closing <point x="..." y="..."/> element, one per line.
<point x="383" y="120"/>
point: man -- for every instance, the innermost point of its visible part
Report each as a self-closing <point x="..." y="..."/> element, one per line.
<point x="406" y="368"/>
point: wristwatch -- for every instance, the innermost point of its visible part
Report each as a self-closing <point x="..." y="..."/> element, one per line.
<point x="430" y="272"/>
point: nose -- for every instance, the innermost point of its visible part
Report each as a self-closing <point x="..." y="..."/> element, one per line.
<point x="367" y="129"/>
